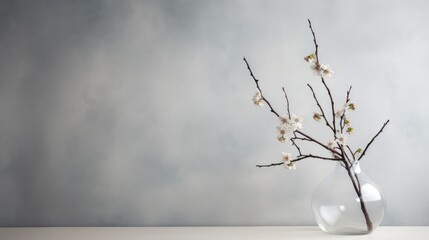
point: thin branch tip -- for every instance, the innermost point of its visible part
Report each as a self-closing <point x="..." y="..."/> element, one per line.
<point x="372" y="140"/>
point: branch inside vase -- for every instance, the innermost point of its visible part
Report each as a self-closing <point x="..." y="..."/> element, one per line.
<point x="358" y="189"/>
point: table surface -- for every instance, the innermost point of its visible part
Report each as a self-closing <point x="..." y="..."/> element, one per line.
<point x="191" y="233"/>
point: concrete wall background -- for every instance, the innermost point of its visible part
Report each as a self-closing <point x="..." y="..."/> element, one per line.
<point x="139" y="113"/>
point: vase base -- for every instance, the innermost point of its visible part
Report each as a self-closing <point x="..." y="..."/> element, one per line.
<point x="346" y="231"/>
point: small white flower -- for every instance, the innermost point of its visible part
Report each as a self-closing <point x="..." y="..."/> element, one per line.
<point x="340" y="112"/>
<point x="282" y="132"/>
<point x="316" y="69"/>
<point x="297" y="121"/>
<point x="287" y="159"/>
<point x="283" y="119"/>
<point x="257" y="99"/>
<point x="348" y="106"/>
<point x="282" y="138"/>
<point x="331" y="144"/>
<point x="286" y="126"/>
<point x="282" y="129"/>
<point x="326" y="70"/>
<point x="341" y="139"/>
<point x="322" y="70"/>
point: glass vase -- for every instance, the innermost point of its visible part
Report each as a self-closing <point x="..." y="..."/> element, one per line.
<point x="348" y="202"/>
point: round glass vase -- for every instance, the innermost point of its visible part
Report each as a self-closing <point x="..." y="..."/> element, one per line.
<point x="348" y="202"/>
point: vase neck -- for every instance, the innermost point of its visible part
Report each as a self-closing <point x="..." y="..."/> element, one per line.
<point x="355" y="167"/>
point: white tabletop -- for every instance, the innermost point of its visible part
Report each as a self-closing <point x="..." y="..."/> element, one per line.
<point x="194" y="233"/>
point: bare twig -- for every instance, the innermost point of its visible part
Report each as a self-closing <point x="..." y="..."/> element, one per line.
<point x="270" y="165"/>
<point x="294" y="144"/>
<point x="287" y="102"/>
<point x="316" y="52"/>
<point x="299" y="159"/>
<point x="320" y="108"/>
<point x="317" y="142"/>
<point x="315" y="156"/>
<point x="332" y="104"/>
<point x="259" y="89"/>
<point x="372" y="140"/>
<point x="315" y="42"/>
<point x="348" y="94"/>
<point x="344" y="156"/>
<point x="351" y="152"/>
<point x="302" y="139"/>
<point x="343" y="117"/>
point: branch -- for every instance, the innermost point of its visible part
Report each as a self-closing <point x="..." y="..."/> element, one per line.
<point x="294" y="144"/>
<point x="260" y="91"/>
<point x="344" y="154"/>
<point x="372" y="140"/>
<point x="351" y="152"/>
<point x="287" y="102"/>
<point x="343" y="117"/>
<point x="302" y="139"/>
<point x="320" y="108"/>
<point x="270" y="165"/>
<point x="323" y="80"/>
<point x="315" y="42"/>
<point x="299" y="159"/>
<point x="315" y="141"/>
<point x="348" y="94"/>
<point x="315" y="156"/>
<point x="342" y="120"/>
<point x="332" y="104"/>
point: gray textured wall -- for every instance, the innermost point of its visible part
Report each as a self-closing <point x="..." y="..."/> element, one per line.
<point x="140" y="112"/>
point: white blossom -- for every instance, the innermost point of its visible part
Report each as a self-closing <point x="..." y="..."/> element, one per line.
<point x="283" y="119"/>
<point x="287" y="159"/>
<point x="340" y="112"/>
<point x="326" y="70"/>
<point x="282" y="138"/>
<point x="316" y="69"/>
<point x="331" y="144"/>
<point x="286" y="126"/>
<point x="344" y="109"/>
<point x="282" y="129"/>
<point x="257" y="99"/>
<point x="341" y="139"/>
<point x="282" y="132"/>
<point x="296" y="121"/>
<point x="322" y="70"/>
